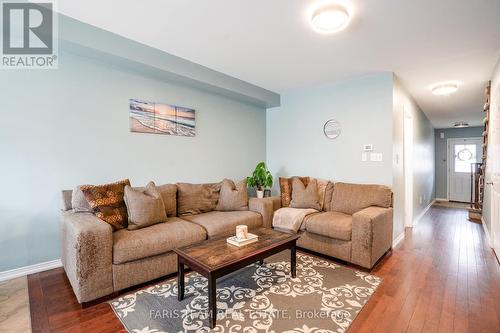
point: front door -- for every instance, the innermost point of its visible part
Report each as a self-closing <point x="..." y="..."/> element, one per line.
<point x="461" y="153"/>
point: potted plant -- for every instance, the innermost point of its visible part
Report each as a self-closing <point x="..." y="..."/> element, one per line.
<point x="261" y="178"/>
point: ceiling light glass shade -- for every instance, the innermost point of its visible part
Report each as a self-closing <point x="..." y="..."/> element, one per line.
<point x="461" y="124"/>
<point x="329" y="19"/>
<point x="445" y="88"/>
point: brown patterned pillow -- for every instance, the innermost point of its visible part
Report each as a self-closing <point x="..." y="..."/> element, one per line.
<point x="286" y="189"/>
<point x="107" y="202"/>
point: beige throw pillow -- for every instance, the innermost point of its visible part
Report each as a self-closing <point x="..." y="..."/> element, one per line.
<point x="195" y="199"/>
<point x="145" y="207"/>
<point x="305" y="197"/>
<point x="78" y="201"/>
<point x="233" y="197"/>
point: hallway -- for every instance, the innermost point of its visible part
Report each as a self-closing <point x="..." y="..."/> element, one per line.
<point x="442" y="278"/>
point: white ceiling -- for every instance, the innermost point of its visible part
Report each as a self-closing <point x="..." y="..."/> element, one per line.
<point x="270" y="43"/>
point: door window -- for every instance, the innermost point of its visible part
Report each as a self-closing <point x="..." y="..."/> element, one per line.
<point x="464" y="156"/>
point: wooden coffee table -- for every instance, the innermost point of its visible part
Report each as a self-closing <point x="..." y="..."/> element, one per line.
<point x="215" y="258"/>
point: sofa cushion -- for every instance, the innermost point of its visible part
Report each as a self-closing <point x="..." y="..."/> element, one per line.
<point x="330" y="224"/>
<point x="129" y="245"/>
<point x="351" y="198"/>
<point x="233" y="197"/>
<point x="224" y="223"/>
<point x="286" y="189"/>
<point x="145" y="207"/>
<point x="107" y="202"/>
<point x="197" y="198"/>
<point x="305" y="196"/>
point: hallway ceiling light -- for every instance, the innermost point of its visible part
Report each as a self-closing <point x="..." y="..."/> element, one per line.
<point x="445" y="88"/>
<point x="461" y="124"/>
<point x="330" y="18"/>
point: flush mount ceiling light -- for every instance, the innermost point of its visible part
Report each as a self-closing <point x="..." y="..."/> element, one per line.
<point x="330" y="18"/>
<point x="445" y="88"/>
<point x="461" y="124"/>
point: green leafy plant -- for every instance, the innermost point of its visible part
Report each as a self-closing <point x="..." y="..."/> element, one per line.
<point x="260" y="178"/>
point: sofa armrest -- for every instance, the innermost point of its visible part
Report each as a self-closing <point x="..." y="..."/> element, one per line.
<point x="371" y="235"/>
<point x="87" y="255"/>
<point x="265" y="207"/>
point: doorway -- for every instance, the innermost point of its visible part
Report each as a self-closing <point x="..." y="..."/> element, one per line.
<point x="408" y="166"/>
<point x="461" y="153"/>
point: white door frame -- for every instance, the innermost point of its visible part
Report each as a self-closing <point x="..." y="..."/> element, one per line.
<point x="448" y="163"/>
<point x="408" y="167"/>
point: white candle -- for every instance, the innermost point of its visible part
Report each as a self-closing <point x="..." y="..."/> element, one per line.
<point x="241" y="231"/>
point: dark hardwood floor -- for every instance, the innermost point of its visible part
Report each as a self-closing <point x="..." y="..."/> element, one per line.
<point x="442" y="278"/>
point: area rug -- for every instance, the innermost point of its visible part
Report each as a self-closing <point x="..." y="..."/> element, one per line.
<point x="324" y="297"/>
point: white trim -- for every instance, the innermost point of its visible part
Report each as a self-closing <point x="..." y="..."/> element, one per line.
<point x="419" y="217"/>
<point x="31" y="269"/>
<point x="398" y="239"/>
<point x="487" y="233"/>
<point x="441" y="199"/>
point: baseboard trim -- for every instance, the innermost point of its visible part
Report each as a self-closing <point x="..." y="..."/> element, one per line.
<point x="441" y="199"/>
<point x="398" y="239"/>
<point x="487" y="233"/>
<point x="419" y="217"/>
<point x="31" y="269"/>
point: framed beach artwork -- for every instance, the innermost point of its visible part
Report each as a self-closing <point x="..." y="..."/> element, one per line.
<point x="158" y="118"/>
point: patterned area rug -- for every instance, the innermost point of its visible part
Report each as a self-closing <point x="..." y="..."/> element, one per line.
<point x="324" y="297"/>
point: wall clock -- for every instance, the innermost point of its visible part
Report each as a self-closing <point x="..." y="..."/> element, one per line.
<point x="332" y="129"/>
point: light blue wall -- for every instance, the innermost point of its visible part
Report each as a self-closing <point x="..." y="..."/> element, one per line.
<point x="296" y="144"/>
<point x="442" y="152"/>
<point x="70" y="126"/>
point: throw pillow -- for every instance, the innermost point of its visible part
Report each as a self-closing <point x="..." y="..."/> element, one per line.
<point x="197" y="198"/>
<point x="169" y="195"/>
<point x="107" y="202"/>
<point x="78" y="201"/>
<point x="322" y="186"/>
<point x="144" y="207"/>
<point x="305" y="197"/>
<point x="233" y="197"/>
<point x="286" y="189"/>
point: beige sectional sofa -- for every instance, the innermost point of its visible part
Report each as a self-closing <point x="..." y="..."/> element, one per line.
<point x="355" y="225"/>
<point x="99" y="261"/>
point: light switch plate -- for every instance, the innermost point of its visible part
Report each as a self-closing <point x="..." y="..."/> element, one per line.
<point x="368" y="147"/>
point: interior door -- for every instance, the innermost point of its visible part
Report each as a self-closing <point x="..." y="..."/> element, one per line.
<point x="461" y="153"/>
<point x="493" y="169"/>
